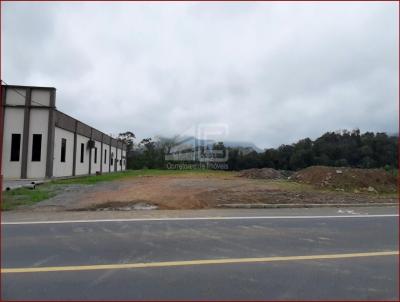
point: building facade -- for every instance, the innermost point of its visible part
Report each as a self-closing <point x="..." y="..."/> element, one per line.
<point x="41" y="142"/>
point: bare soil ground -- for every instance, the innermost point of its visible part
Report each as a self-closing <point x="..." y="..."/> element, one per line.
<point x="197" y="192"/>
<point x="264" y="173"/>
<point x="348" y="179"/>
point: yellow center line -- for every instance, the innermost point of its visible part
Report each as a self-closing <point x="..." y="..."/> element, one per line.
<point x="190" y="262"/>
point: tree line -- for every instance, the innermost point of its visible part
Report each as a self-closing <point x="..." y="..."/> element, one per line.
<point x="340" y="148"/>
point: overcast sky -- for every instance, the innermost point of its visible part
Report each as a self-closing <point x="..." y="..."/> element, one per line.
<point x="272" y="72"/>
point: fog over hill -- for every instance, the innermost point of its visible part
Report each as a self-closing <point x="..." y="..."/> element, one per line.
<point x="191" y="142"/>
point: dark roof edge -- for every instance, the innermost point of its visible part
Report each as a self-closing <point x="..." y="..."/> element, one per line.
<point x="115" y="139"/>
<point x="25" y="86"/>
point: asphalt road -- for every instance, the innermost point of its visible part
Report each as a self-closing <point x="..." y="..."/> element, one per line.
<point x="72" y="254"/>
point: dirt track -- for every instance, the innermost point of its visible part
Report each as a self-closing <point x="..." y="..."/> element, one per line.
<point x="196" y="192"/>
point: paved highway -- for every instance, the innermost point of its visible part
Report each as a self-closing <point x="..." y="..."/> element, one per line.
<point x="290" y="254"/>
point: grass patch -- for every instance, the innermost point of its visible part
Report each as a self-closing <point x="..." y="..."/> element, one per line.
<point x="135" y="173"/>
<point x="25" y="197"/>
<point x="288" y="185"/>
<point x="393" y="172"/>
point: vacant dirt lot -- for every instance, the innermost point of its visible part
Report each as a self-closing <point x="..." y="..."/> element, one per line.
<point x="374" y="180"/>
<point x="196" y="192"/>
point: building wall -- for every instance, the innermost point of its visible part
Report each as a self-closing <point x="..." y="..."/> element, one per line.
<point x="105" y="161"/>
<point x="82" y="168"/>
<point x="39" y="103"/>
<point x="16" y="97"/>
<point x="113" y="152"/>
<point x="63" y="168"/>
<point x="95" y="167"/>
<point x="123" y="159"/>
<point x="41" y="96"/>
<point x="118" y="158"/>
<point x="39" y="119"/>
<point x="26" y="121"/>
<point x="13" y="123"/>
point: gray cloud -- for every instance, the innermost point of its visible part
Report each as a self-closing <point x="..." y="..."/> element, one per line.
<point x="273" y="72"/>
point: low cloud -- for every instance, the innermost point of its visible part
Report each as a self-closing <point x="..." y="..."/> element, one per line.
<point x="273" y="72"/>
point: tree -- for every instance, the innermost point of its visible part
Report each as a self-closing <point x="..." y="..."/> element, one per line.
<point x="127" y="137"/>
<point x="166" y="143"/>
<point x="219" y="150"/>
<point x="339" y="148"/>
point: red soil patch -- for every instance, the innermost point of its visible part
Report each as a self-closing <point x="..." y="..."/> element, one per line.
<point x="348" y="178"/>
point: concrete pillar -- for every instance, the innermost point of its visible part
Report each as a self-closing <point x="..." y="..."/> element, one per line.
<point x="50" y="136"/>
<point x="25" y="136"/>
<point x="74" y="155"/>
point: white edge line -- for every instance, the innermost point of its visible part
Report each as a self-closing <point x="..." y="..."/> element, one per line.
<point x="195" y="218"/>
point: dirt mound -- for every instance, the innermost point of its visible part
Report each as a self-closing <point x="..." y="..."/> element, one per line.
<point x="264" y="173"/>
<point x="348" y="179"/>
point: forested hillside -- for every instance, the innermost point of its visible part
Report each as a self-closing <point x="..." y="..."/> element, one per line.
<point x="344" y="148"/>
<point x="340" y="148"/>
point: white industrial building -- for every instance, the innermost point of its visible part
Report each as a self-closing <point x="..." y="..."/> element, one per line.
<point x="41" y="142"/>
